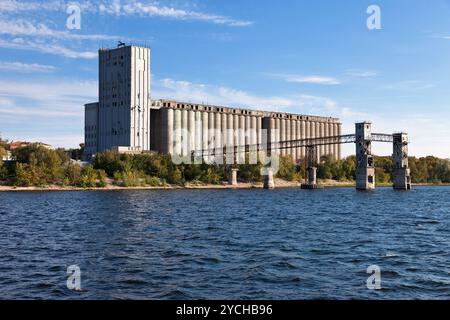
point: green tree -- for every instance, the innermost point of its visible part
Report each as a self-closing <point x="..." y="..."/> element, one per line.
<point x="3" y="171"/>
<point x="73" y="174"/>
<point x="45" y="166"/>
<point x="23" y="177"/>
<point x="88" y="177"/>
<point x="287" y="169"/>
<point x="2" y="152"/>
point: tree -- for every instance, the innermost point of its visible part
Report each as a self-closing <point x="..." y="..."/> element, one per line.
<point x="44" y="166"/>
<point x="2" y="152"/>
<point x="287" y="169"/>
<point x="77" y="154"/>
<point x="88" y="177"/>
<point x="3" y="171"/>
<point x="73" y="174"/>
<point x="22" y="176"/>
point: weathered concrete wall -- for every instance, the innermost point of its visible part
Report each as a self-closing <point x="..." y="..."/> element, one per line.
<point x="126" y="117"/>
<point x="90" y="129"/>
<point x="401" y="171"/>
<point x="365" y="166"/>
<point x="247" y="126"/>
<point x="124" y="98"/>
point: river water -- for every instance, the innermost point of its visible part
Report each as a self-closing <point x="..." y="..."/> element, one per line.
<point x="226" y="244"/>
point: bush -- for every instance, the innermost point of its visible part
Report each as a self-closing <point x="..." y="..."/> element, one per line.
<point x="39" y="166"/>
<point x="287" y="169"/>
<point x="129" y="178"/>
<point x="43" y="166"/>
<point x="3" y="171"/>
<point x="175" y="176"/>
<point x="88" y="177"/>
<point x="72" y="174"/>
<point x="23" y="177"/>
<point x="153" y="181"/>
<point x="2" y="152"/>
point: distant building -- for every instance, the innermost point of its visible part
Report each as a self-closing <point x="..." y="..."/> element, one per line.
<point x="7" y="157"/>
<point x="20" y="144"/>
<point x="121" y="118"/>
<point x="126" y="120"/>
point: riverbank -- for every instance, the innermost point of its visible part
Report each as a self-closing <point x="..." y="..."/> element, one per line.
<point x="279" y="183"/>
<point x="112" y="187"/>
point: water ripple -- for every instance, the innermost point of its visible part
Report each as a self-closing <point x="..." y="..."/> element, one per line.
<point x="226" y="244"/>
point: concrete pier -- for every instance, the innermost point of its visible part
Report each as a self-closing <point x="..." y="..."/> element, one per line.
<point x="401" y="171"/>
<point x="312" y="180"/>
<point x="365" y="166"/>
<point x="312" y="175"/>
<point x="232" y="178"/>
<point x="269" y="182"/>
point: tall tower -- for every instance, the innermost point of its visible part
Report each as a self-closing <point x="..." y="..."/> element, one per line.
<point x="365" y="166"/>
<point x="124" y="98"/>
<point x="401" y="171"/>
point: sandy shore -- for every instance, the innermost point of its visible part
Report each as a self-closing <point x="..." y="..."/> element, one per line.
<point x="279" y="183"/>
<point x="110" y="187"/>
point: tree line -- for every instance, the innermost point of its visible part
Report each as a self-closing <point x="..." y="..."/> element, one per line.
<point x="427" y="170"/>
<point x="35" y="165"/>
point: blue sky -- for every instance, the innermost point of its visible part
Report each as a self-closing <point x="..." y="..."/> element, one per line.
<point x="304" y="56"/>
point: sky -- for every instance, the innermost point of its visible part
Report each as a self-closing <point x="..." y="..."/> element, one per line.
<point x="305" y="56"/>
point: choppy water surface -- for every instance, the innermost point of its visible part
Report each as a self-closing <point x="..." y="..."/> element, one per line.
<point x="226" y="244"/>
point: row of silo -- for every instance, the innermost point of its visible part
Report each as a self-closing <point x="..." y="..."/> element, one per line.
<point x="193" y="128"/>
<point x="287" y="130"/>
<point x="185" y="130"/>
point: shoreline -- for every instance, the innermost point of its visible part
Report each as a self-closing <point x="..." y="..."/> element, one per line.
<point x="279" y="184"/>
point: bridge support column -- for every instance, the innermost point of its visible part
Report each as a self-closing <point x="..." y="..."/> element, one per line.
<point x="232" y="177"/>
<point x="365" y="166"/>
<point x="312" y="180"/>
<point x="269" y="182"/>
<point x="312" y="176"/>
<point x="401" y="171"/>
<point x="311" y="168"/>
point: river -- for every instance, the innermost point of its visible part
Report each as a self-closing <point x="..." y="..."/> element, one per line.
<point x="226" y="244"/>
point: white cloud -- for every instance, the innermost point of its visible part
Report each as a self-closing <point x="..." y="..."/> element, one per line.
<point x="25" y="67"/>
<point x="26" y="28"/>
<point x="4" y="102"/>
<point x="362" y="73"/>
<point x="56" y="141"/>
<point x="25" y="112"/>
<point x="152" y="9"/>
<point x="409" y="85"/>
<point x="220" y="95"/>
<point x="50" y="111"/>
<point x="418" y="126"/>
<point x="16" y="6"/>
<point x="43" y="99"/>
<point x="312" y="79"/>
<point x="49" y="48"/>
<point x="50" y="92"/>
<point x="126" y="7"/>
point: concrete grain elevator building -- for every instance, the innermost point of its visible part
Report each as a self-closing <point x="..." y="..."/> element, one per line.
<point x="126" y="119"/>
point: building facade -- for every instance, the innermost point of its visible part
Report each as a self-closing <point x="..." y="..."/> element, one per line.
<point x="126" y="119"/>
<point x="180" y="128"/>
